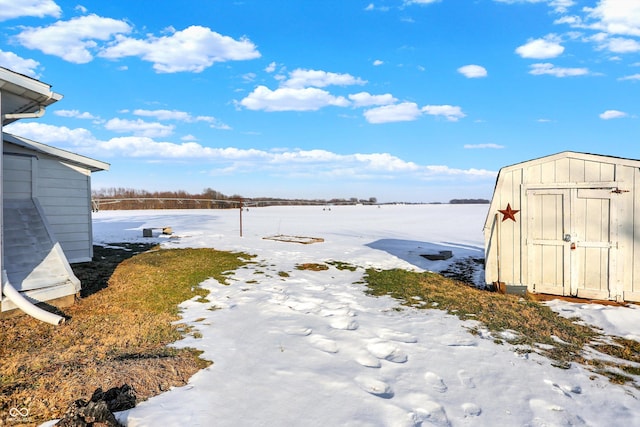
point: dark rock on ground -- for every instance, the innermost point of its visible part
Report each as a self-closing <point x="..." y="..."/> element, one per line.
<point x="99" y="410"/>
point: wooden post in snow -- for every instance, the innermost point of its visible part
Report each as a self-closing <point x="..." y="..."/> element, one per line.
<point x="240" y="217"/>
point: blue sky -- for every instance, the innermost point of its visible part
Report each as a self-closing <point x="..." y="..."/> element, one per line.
<point x="402" y="100"/>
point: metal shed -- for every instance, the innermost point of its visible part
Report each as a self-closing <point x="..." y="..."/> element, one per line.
<point x="46" y="206"/>
<point x="567" y="224"/>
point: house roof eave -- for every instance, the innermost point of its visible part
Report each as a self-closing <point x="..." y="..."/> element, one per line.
<point x="92" y="164"/>
<point x="23" y="94"/>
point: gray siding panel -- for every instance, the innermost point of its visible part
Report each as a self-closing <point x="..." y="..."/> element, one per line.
<point x="17" y="176"/>
<point x="63" y="193"/>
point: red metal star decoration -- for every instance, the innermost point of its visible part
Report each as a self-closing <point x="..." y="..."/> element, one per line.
<point x="508" y="213"/>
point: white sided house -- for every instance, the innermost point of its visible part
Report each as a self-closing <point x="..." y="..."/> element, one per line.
<point x="567" y="224"/>
<point x="46" y="206"/>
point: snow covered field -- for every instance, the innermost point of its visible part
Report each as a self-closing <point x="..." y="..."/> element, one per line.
<point x="312" y="349"/>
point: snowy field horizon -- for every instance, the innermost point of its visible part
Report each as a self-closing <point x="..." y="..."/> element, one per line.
<point x="314" y="350"/>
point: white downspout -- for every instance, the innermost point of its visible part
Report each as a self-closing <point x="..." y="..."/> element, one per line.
<point x="25" y="305"/>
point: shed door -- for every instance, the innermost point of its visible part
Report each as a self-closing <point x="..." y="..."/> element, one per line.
<point x="571" y="235"/>
<point x="548" y="253"/>
<point x="593" y="237"/>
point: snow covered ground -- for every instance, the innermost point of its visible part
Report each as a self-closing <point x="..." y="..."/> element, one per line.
<point x="312" y="349"/>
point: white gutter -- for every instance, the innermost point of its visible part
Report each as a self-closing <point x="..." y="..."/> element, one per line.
<point x="25" y="305"/>
<point x="16" y="116"/>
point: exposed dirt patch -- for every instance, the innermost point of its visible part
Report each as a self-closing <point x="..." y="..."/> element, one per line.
<point x="312" y="266"/>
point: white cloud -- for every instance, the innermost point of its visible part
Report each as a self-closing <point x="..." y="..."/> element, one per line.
<point x="559" y="6"/>
<point x="291" y="99"/>
<point x="450" y="112"/>
<point x="473" y="71"/>
<point x="49" y="134"/>
<point x="291" y="163"/>
<point x="271" y="67"/>
<point x="378" y="62"/>
<point x="631" y="77"/>
<point x="181" y="116"/>
<point x="619" y="45"/>
<point x="616" y="17"/>
<point x="407" y="2"/>
<point x="37" y="8"/>
<point x="139" y="146"/>
<point x="520" y="1"/>
<point x="550" y="69"/>
<point x="443" y="171"/>
<point x="613" y="114"/>
<point x="75" y="114"/>
<point x="193" y="49"/>
<point x="73" y="40"/>
<point x="300" y="91"/>
<point x="386" y="162"/>
<point x="301" y="78"/>
<point x="220" y="125"/>
<point x="409" y="111"/>
<point x="548" y="47"/>
<point x="403" y="112"/>
<point x="571" y="20"/>
<point x="20" y="65"/>
<point x="139" y="127"/>
<point x="483" y="146"/>
<point x="249" y="77"/>
<point x="365" y="99"/>
<point x="372" y="6"/>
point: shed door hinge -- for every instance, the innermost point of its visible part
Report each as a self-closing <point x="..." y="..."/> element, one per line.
<point x="619" y="191"/>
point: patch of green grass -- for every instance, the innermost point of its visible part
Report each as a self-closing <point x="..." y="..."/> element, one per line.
<point x="621" y="348"/>
<point x="165" y="278"/>
<point x="533" y="323"/>
<point x="312" y="266"/>
<point x="631" y="370"/>
<point x="343" y="265"/>
<point x="283" y="274"/>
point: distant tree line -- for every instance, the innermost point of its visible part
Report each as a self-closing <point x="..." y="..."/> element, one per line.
<point x="117" y="198"/>
<point x="469" y="201"/>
